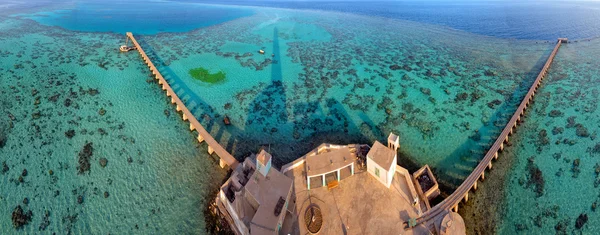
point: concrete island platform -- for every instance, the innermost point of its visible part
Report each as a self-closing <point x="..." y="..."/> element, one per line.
<point x="334" y="189"/>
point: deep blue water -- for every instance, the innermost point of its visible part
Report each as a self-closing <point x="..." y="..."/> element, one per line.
<point x="149" y="17"/>
<point x="540" y="20"/>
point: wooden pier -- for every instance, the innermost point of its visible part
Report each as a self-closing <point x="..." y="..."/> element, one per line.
<point x="435" y="214"/>
<point x="226" y="159"/>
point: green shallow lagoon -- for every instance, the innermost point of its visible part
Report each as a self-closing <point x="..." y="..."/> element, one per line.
<point x="206" y="76"/>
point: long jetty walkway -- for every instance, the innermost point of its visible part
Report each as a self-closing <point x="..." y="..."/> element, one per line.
<point x="431" y="217"/>
<point x="213" y="146"/>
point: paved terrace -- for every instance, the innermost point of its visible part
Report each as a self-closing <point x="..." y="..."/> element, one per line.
<point x="359" y="205"/>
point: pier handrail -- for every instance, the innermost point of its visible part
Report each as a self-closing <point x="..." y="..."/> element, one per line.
<point x="452" y="201"/>
<point x="203" y="135"/>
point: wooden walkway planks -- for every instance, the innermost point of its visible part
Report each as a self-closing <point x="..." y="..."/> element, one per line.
<point x="213" y="146"/>
<point x="462" y="192"/>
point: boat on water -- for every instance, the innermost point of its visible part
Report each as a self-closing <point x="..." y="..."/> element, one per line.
<point x="226" y="120"/>
<point x="125" y="48"/>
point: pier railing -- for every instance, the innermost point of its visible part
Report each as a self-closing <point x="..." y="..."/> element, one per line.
<point x="213" y="146"/>
<point x="462" y="192"/>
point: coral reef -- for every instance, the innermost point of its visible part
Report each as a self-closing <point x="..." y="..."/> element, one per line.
<point x="581" y="220"/>
<point x="536" y="178"/>
<point x="20" y="218"/>
<point x="103" y="162"/>
<point x="85" y="156"/>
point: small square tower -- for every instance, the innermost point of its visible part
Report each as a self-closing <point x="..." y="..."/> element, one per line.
<point x="393" y="142"/>
<point x="263" y="162"/>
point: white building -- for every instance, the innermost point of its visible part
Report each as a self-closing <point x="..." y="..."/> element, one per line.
<point x="381" y="163"/>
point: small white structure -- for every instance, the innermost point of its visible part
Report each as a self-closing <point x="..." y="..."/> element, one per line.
<point x="263" y="162"/>
<point x="393" y="142"/>
<point x="381" y="163"/>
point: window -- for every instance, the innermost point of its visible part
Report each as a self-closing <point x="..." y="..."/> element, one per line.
<point x="377" y="172"/>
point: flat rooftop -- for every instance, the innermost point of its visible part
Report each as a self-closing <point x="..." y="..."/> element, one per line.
<point x="359" y="205"/>
<point x="328" y="161"/>
<point x="267" y="191"/>
<point x="382" y="155"/>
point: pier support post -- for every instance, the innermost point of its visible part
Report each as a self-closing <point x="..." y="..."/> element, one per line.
<point x="324" y="180"/>
<point x="475" y="186"/>
<point x="496" y="156"/>
<point x="502" y="147"/>
<point x="490" y="165"/>
<point x="483" y="176"/>
<point x="455" y="208"/>
<point x="180" y="106"/>
<point x="466" y="197"/>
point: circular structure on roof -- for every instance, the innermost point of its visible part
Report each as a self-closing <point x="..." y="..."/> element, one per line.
<point x="313" y="219"/>
<point x="452" y="223"/>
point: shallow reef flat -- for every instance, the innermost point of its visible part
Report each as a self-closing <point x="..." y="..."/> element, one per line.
<point x="341" y="78"/>
<point x="87" y="146"/>
<point x="552" y="186"/>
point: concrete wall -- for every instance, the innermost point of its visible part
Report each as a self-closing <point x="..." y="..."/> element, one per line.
<point x="372" y="168"/>
<point x="390" y="176"/>
<point x="385" y="175"/>
<point x="263" y="169"/>
<point x="284" y="211"/>
<point x="239" y="224"/>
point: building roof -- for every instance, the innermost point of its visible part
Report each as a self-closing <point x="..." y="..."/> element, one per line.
<point x="267" y="191"/>
<point x="263" y="157"/>
<point x="382" y="155"/>
<point x="327" y="162"/>
<point x="393" y="138"/>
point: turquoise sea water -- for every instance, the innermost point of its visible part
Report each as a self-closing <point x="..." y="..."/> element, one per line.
<point x="157" y="177"/>
<point x="559" y="139"/>
<point x="325" y="77"/>
<point x="344" y="78"/>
